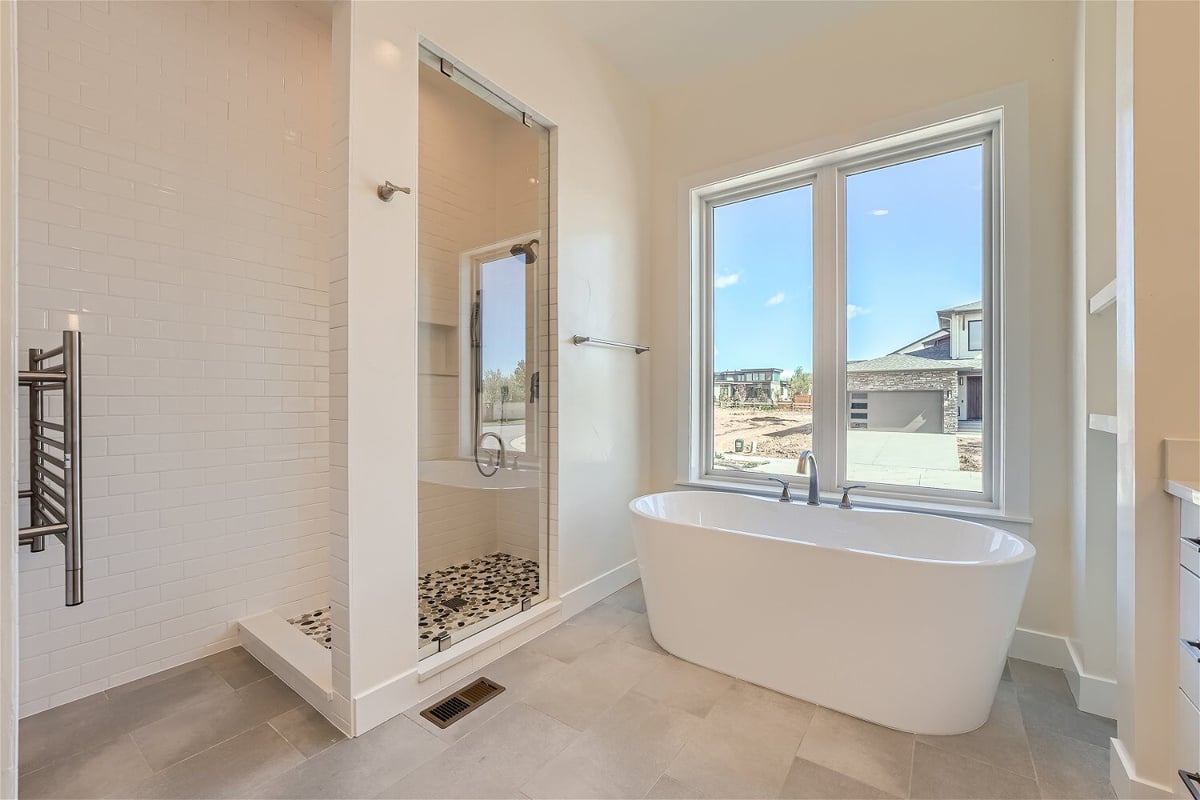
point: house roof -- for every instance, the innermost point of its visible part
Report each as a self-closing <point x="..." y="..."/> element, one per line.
<point x="749" y="369"/>
<point x="975" y="306"/>
<point x="936" y="334"/>
<point x="931" y="358"/>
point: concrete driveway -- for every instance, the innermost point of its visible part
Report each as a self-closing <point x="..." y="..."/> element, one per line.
<point x="895" y="449"/>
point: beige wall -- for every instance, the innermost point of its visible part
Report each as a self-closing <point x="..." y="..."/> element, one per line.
<point x="852" y="80"/>
<point x="1158" y="364"/>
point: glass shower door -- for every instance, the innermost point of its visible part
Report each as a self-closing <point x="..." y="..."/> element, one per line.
<point x="483" y="215"/>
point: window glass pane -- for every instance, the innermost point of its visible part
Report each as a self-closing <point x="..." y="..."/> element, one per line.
<point x="914" y="280"/>
<point x="502" y="285"/>
<point x="762" y="333"/>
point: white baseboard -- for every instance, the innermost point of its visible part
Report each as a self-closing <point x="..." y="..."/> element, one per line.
<point x="588" y="594"/>
<point x="1040" y="648"/>
<point x="439" y="672"/>
<point x="1125" y="782"/>
<point x="1094" y="694"/>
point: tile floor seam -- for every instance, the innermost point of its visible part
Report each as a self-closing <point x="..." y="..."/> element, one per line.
<point x="142" y="753"/>
<point x="925" y="740"/>
<point x="157" y="772"/>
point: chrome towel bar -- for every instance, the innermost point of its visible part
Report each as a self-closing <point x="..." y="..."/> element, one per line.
<point x="638" y="349"/>
<point x="56" y="497"/>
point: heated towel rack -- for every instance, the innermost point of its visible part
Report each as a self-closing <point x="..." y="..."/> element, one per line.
<point x="55" y="490"/>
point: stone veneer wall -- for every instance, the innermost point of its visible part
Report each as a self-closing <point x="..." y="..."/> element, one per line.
<point x="945" y="381"/>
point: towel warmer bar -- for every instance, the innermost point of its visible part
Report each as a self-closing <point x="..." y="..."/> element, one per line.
<point x="55" y="490"/>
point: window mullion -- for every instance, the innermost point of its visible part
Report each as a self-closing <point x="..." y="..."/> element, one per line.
<point x="827" y="339"/>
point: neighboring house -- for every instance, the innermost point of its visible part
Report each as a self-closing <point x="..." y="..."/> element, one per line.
<point x="927" y="386"/>
<point x="748" y="386"/>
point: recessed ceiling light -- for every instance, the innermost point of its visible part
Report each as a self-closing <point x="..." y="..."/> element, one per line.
<point x="879" y="212"/>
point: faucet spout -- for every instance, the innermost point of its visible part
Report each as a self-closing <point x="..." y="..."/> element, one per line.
<point x="498" y="458"/>
<point x="809" y="460"/>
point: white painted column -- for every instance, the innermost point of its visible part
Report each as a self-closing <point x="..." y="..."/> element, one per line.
<point x="375" y="596"/>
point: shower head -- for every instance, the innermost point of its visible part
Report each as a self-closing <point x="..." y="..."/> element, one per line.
<point x="528" y="249"/>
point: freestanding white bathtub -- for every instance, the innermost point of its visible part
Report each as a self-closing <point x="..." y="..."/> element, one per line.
<point x="897" y="618"/>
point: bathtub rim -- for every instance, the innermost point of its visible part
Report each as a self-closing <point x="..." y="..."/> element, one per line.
<point x="1028" y="550"/>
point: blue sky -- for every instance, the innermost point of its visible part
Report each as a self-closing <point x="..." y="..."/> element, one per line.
<point x="503" y="285"/>
<point x="914" y="241"/>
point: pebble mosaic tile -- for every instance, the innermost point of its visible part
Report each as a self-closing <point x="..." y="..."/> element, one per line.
<point x="453" y="598"/>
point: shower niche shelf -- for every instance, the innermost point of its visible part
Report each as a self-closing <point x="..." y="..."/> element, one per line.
<point x="437" y="350"/>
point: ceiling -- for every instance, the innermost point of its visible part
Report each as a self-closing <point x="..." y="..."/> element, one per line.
<point x="664" y="43"/>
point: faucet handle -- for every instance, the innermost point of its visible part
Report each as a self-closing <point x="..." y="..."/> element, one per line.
<point x="786" y="495"/>
<point x="846" y="494"/>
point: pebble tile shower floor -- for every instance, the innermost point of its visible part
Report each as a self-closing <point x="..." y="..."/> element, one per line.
<point x="455" y="597"/>
<point x="593" y="708"/>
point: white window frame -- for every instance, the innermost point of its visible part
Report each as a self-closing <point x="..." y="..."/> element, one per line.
<point x="826" y="172"/>
<point x="469" y="265"/>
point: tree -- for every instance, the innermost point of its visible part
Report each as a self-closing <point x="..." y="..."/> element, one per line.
<point x="518" y="382"/>
<point x="800" y="382"/>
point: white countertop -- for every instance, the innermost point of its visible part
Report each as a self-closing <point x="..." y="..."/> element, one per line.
<point x="1188" y="491"/>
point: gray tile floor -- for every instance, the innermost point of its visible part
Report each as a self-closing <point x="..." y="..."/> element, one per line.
<point x="593" y="708"/>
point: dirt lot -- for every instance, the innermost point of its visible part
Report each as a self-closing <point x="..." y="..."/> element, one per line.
<point x="970" y="453"/>
<point x="779" y="434"/>
<point x="785" y="434"/>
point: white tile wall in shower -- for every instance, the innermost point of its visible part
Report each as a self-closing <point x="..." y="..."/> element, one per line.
<point x="170" y="207"/>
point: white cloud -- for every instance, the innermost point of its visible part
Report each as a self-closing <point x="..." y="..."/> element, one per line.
<point x="723" y="281"/>
<point x="775" y="299"/>
<point x="853" y="311"/>
<point x="879" y="212"/>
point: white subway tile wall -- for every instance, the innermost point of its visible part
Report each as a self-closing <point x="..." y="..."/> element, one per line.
<point x="172" y="207"/>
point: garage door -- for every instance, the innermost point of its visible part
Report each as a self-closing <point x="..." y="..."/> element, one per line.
<point x="911" y="412"/>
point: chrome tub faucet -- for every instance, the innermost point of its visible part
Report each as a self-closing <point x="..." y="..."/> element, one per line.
<point x="809" y="460"/>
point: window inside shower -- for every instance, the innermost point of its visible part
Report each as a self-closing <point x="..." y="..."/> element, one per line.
<point x="483" y="346"/>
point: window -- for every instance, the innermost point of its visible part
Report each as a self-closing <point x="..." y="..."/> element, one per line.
<point x="761" y="289"/>
<point x="975" y="335"/>
<point x="858" y="287"/>
<point x="497" y="390"/>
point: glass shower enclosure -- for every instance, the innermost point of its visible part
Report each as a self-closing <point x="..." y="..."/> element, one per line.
<point x="482" y="252"/>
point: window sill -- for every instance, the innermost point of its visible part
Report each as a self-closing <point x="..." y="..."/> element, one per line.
<point x="979" y="513"/>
